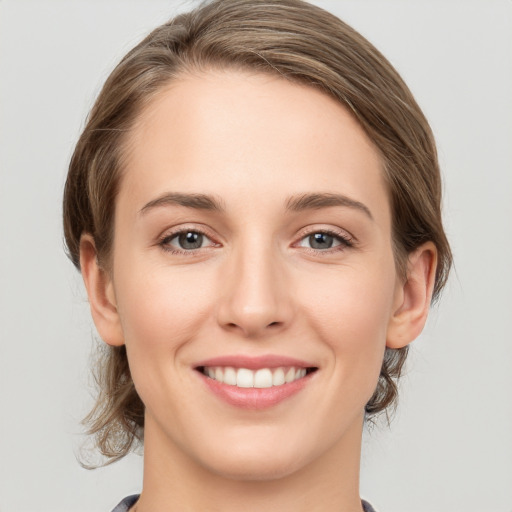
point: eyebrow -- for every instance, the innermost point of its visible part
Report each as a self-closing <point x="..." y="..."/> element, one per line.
<point x="316" y="201"/>
<point x="196" y="201"/>
<point x="296" y="203"/>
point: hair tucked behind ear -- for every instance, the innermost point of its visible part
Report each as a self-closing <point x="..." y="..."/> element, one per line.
<point x="301" y="43"/>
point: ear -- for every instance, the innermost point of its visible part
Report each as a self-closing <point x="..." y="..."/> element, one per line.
<point x="413" y="297"/>
<point x="100" y="290"/>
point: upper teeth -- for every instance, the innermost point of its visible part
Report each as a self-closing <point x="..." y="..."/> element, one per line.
<point x="262" y="378"/>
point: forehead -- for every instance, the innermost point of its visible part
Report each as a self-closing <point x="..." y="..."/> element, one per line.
<point x="235" y="133"/>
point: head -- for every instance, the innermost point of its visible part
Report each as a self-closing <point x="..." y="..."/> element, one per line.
<point x="288" y="42"/>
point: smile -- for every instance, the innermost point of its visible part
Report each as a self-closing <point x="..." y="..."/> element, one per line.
<point x="253" y="383"/>
<point x="257" y="378"/>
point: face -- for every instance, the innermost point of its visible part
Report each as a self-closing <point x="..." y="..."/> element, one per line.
<point x="253" y="273"/>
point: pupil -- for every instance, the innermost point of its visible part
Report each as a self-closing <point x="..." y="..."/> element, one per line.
<point x="191" y="240"/>
<point x="321" y="241"/>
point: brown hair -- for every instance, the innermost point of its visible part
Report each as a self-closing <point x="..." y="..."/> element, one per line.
<point x="304" y="44"/>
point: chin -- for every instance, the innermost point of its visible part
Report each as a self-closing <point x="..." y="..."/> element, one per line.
<point x="254" y="467"/>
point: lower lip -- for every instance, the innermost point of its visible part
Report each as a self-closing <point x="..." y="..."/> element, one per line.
<point x="255" y="398"/>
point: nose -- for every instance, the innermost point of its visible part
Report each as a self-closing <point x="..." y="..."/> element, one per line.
<point x="256" y="295"/>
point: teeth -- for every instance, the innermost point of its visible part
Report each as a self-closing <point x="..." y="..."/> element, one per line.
<point x="290" y="375"/>
<point x="278" y="377"/>
<point x="229" y="376"/>
<point x="262" y="378"/>
<point x="244" y="378"/>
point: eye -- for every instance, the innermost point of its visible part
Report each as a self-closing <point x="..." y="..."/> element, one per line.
<point x="185" y="241"/>
<point x="325" y="240"/>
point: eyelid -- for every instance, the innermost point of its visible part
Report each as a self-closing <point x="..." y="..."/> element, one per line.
<point x="173" y="232"/>
<point x="347" y="239"/>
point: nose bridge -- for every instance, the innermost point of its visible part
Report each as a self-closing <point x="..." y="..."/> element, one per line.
<point x="256" y="298"/>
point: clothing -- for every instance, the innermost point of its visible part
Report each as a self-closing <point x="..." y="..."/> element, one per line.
<point x="128" y="502"/>
<point x="367" y="507"/>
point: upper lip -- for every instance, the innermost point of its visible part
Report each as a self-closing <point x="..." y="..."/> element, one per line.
<point x="254" y="362"/>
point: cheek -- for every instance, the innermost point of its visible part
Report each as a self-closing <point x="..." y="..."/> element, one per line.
<point x="355" y="302"/>
<point x="161" y="311"/>
<point x="162" y="308"/>
<point x="350" y="311"/>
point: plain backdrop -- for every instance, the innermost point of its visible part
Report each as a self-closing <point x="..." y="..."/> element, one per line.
<point x="449" y="447"/>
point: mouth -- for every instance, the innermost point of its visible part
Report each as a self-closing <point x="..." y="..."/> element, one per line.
<point x="261" y="378"/>
<point x="255" y="382"/>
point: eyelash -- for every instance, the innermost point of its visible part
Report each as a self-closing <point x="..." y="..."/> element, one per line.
<point x="164" y="242"/>
<point x="345" y="241"/>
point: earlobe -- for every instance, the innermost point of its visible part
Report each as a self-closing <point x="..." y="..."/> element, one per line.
<point x="415" y="295"/>
<point x="101" y="294"/>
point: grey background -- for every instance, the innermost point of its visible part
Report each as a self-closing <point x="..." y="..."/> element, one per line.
<point x="450" y="445"/>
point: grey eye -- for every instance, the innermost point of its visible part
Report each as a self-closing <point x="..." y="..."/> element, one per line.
<point x="189" y="240"/>
<point x="324" y="240"/>
<point x="320" y="241"/>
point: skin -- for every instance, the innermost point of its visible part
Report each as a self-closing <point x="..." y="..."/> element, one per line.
<point x="255" y="287"/>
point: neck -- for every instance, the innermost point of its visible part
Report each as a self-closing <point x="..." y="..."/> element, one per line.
<point x="174" y="481"/>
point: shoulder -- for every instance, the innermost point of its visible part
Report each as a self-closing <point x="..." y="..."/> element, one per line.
<point x="126" y="504"/>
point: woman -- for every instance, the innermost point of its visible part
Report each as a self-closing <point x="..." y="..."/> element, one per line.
<point x="254" y="205"/>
